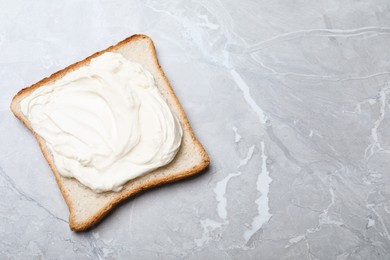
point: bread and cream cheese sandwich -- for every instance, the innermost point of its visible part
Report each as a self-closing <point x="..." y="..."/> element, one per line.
<point x="110" y="126"/>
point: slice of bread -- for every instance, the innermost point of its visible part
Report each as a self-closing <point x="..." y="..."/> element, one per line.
<point x="86" y="207"/>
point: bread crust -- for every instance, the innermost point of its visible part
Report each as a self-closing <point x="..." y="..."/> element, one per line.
<point x="84" y="225"/>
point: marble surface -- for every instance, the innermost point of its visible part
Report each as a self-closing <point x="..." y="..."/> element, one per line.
<point x="290" y="99"/>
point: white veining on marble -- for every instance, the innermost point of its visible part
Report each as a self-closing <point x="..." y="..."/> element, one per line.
<point x="321" y="77"/>
<point x="208" y="226"/>
<point x="207" y="23"/>
<point x="220" y="191"/>
<point x="323" y="219"/>
<point x="262" y="186"/>
<point x="244" y="161"/>
<point x="370" y="222"/>
<point x="248" y="98"/>
<point x="295" y="240"/>
<point x="237" y="136"/>
<point x="386" y="233"/>
<point x="374" y="140"/>
<point x="319" y="33"/>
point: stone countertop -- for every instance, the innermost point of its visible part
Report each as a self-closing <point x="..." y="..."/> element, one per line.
<point x="289" y="98"/>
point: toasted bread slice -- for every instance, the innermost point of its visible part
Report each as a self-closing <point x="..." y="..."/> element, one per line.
<point x="86" y="207"/>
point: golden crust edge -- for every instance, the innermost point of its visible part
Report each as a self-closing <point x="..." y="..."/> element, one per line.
<point x="84" y="225"/>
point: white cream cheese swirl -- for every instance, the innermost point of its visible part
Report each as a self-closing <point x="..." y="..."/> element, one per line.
<point x="105" y="123"/>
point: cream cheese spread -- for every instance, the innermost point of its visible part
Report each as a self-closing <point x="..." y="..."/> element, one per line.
<point x="105" y="123"/>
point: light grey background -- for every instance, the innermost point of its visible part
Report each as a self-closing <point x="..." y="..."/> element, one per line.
<point x="290" y="99"/>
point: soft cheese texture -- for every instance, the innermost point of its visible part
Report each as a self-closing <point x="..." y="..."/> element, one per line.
<point x="105" y="123"/>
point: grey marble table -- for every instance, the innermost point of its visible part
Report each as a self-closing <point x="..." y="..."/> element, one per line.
<point x="290" y="99"/>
